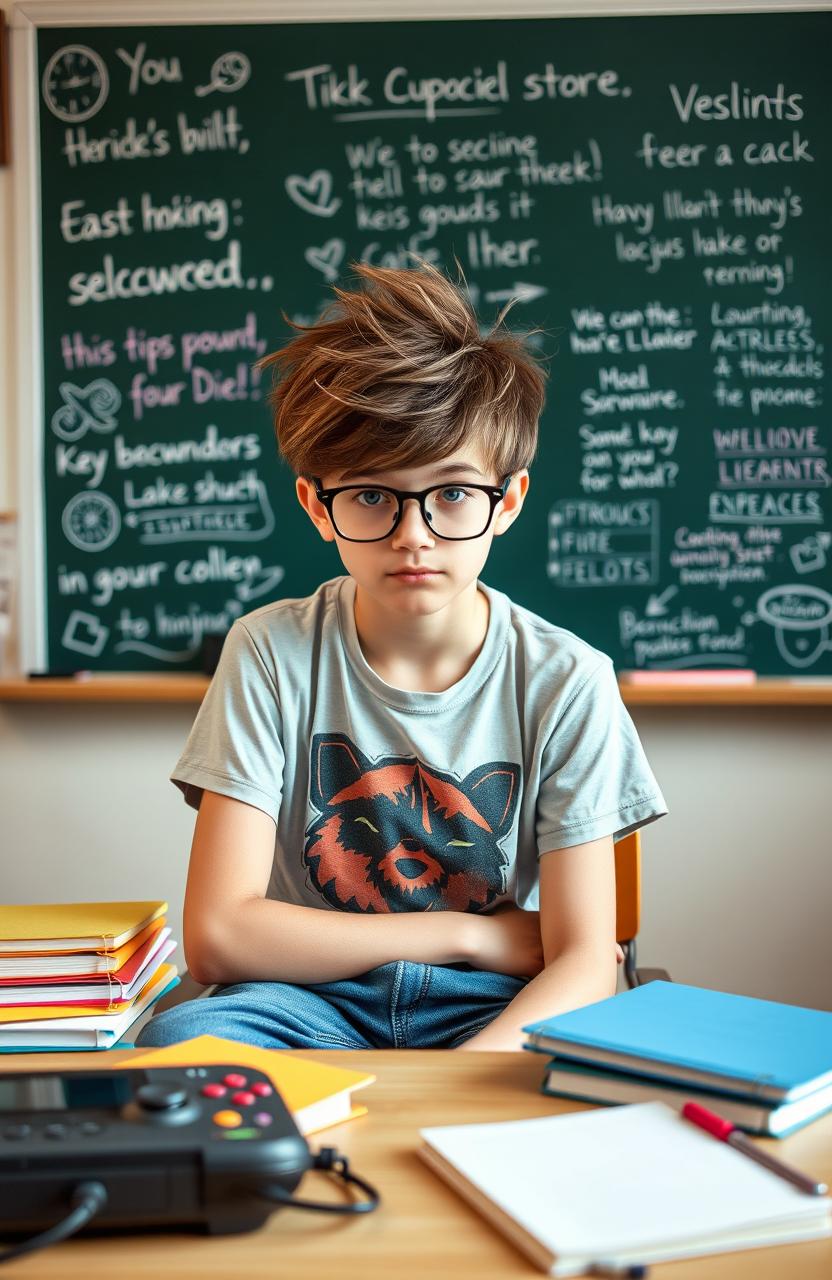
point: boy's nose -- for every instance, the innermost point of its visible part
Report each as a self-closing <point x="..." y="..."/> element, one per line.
<point x="412" y="525"/>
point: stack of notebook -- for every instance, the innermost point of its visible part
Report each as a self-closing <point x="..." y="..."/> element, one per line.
<point x="767" y="1067"/>
<point x="77" y="975"/>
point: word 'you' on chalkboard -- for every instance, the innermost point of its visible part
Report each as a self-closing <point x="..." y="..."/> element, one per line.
<point x="655" y="190"/>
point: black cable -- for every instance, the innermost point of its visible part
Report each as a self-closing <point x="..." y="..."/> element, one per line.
<point x="87" y="1199"/>
<point x="330" y="1161"/>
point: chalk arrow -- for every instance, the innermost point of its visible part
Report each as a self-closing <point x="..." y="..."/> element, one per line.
<point x="657" y="605"/>
<point x="270" y="576"/>
<point x="525" y="292"/>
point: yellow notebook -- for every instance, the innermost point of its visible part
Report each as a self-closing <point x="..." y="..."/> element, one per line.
<point x="47" y="927"/>
<point x="50" y="1012"/>
<point x="31" y="965"/>
<point x="317" y="1094"/>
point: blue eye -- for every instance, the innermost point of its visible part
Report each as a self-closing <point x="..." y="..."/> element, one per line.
<point x="466" y="493"/>
<point x="373" y="493"/>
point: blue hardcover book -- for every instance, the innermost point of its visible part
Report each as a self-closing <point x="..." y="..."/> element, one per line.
<point x="566" y="1078"/>
<point x="738" y="1044"/>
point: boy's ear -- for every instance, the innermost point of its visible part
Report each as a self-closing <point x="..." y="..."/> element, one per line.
<point x="512" y="503"/>
<point x="316" y="510"/>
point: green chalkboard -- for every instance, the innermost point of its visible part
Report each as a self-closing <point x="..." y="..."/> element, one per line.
<point x="655" y="188"/>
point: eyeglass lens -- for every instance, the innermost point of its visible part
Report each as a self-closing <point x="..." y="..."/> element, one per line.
<point x="452" y="512"/>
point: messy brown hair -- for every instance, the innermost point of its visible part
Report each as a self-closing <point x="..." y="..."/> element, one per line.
<point x="397" y="374"/>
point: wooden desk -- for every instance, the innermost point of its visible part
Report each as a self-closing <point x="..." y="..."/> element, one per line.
<point x="422" y="1229"/>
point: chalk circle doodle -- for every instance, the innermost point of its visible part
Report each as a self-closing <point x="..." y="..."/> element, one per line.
<point x="84" y="409"/>
<point x="91" y="521"/>
<point x="228" y="74"/>
<point x="326" y="258"/>
<point x="75" y="83"/>
<point x="313" y="193"/>
<point x="800" y="615"/>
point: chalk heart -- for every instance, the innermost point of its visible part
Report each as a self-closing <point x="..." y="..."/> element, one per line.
<point x="313" y="193"/>
<point x="326" y="258"/>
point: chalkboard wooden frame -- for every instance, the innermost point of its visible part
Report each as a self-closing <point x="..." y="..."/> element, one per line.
<point x="190" y="688"/>
<point x="28" y="17"/>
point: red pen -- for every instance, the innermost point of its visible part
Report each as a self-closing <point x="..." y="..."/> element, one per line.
<point x="727" y="1132"/>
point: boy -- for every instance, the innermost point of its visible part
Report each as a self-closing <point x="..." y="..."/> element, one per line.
<point x="408" y="785"/>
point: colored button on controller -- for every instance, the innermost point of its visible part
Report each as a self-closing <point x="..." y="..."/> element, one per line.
<point x="263" y="1119"/>
<point x="243" y="1098"/>
<point x="262" y="1089"/>
<point x="227" y="1119"/>
<point x="213" y="1091"/>
<point x="235" y="1080"/>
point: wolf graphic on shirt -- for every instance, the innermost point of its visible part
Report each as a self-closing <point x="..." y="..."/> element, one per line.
<point x="395" y="834"/>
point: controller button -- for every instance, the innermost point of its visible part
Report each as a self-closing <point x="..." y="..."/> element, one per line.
<point x="235" y="1081"/>
<point x="160" y="1097"/>
<point x="55" y="1131"/>
<point x="213" y="1091"/>
<point x="17" y="1131"/>
<point x="242" y="1133"/>
<point x="263" y="1119"/>
<point x="90" y="1127"/>
<point x="243" y="1098"/>
<point x="262" y="1089"/>
<point x="228" y="1119"/>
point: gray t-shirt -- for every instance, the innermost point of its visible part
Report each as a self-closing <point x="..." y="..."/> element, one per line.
<point x="388" y="799"/>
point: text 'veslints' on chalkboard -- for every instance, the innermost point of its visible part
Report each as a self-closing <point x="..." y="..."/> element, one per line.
<point x="656" y="190"/>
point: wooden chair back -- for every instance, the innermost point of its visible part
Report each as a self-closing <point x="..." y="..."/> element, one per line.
<point x="627" y="886"/>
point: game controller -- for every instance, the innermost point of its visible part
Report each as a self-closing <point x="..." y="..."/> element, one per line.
<point x="179" y="1146"/>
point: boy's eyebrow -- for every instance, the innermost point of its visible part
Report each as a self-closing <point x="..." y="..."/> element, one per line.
<point x="449" y="469"/>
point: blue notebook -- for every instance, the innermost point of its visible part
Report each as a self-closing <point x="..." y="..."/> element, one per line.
<point x="566" y="1078"/>
<point x="738" y="1044"/>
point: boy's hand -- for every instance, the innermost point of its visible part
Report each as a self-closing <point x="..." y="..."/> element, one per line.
<point x="508" y="941"/>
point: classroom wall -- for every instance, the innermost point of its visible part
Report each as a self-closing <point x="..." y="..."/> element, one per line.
<point x="737" y="879"/>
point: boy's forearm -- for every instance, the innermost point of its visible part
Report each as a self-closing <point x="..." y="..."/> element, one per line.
<point x="570" y="981"/>
<point x="262" y="940"/>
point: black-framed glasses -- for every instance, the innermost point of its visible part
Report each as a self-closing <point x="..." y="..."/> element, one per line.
<point x="370" y="513"/>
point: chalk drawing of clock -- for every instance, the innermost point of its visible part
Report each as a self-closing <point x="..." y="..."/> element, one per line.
<point x="91" y="521"/>
<point x="75" y="83"/>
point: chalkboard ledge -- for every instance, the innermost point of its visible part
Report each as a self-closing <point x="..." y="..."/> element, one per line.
<point x="191" y="686"/>
<point x="187" y="686"/>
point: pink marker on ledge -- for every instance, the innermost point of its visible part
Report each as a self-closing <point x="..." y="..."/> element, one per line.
<point x="728" y="1132"/>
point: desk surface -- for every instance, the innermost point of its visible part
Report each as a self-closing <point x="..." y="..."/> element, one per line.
<point x="423" y="1229"/>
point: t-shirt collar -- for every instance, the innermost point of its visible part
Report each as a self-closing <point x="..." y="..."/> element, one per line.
<point x="418" y="700"/>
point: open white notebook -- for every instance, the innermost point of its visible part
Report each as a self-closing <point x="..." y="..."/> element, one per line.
<point x="632" y="1184"/>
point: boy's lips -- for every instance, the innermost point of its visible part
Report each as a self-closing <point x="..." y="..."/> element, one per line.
<point x="413" y="573"/>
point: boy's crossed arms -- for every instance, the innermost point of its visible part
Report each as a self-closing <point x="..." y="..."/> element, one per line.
<point x="233" y="933"/>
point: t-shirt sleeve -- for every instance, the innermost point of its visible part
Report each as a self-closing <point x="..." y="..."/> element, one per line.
<point x="236" y="744"/>
<point x="594" y="776"/>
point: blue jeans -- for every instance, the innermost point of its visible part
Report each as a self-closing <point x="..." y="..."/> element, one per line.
<point x="401" y="1005"/>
